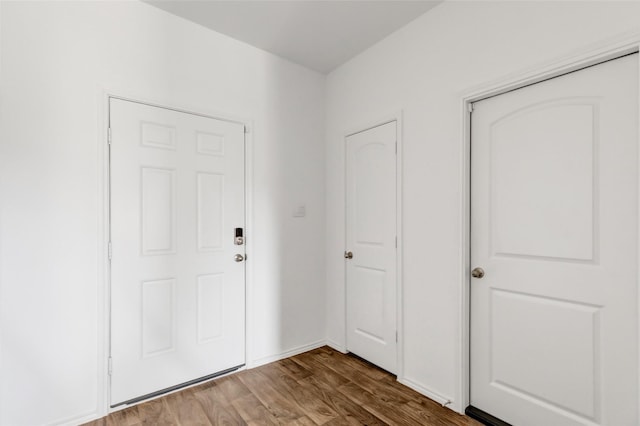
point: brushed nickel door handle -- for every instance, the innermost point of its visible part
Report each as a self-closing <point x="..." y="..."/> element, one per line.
<point x="348" y="255"/>
<point x="238" y="258"/>
<point x="477" y="273"/>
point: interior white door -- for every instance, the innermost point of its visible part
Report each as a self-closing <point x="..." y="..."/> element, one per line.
<point x="371" y="242"/>
<point x="177" y="294"/>
<point x="554" y="321"/>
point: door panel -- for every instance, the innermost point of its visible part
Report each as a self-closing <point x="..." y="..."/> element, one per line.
<point x="554" y="336"/>
<point x="177" y="295"/>
<point x="525" y="162"/>
<point x="371" y="233"/>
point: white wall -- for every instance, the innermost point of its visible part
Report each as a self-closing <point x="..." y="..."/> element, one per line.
<point x="424" y="68"/>
<point x="57" y="58"/>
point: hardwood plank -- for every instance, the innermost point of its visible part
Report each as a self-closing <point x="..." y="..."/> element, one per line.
<point x="320" y="371"/>
<point x="215" y="403"/>
<point x="282" y="408"/>
<point x="156" y="412"/>
<point x="229" y="386"/>
<point x="349" y="411"/>
<point x="391" y="413"/>
<point x="186" y="409"/>
<point x="293" y="369"/>
<point x="303" y="421"/>
<point x="127" y="417"/>
<point x="304" y="397"/>
<point x="346" y="421"/>
<point x="253" y="412"/>
<point x="439" y="416"/>
<point x="353" y="372"/>
<point x="331" y="357"/>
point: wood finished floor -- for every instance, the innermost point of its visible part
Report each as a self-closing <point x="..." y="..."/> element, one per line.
<point x="320" y="387"/>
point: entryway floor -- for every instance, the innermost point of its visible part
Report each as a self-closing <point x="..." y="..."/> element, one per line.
<point x="320" y="387"/>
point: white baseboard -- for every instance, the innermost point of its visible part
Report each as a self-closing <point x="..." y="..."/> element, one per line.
<point x="440" y="399"/>
<point x="292" y="352"/>
<point x="338" y="347"/>
<point x="78" y="419"/>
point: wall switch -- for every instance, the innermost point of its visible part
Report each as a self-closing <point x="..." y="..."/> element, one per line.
<point x="300" y="211"/>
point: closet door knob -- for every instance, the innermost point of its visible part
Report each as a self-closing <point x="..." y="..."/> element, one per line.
<point x="477" y="273"/>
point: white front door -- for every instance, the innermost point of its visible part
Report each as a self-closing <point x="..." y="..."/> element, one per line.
<point x="177" y="293"/>
<point x="371" y="244"/>
<point x="554" y="205"/>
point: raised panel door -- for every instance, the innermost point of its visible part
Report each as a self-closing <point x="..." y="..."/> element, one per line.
<point x="177" y="295"/>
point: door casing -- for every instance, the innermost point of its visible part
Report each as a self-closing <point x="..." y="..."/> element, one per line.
<point x="603" y="52"/>
<point x="104" y="228"/>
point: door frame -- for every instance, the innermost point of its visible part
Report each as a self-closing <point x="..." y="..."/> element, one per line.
<point x="614" y="48"/>
<point x="104" y="228"/>
<point x="382" y="119"/>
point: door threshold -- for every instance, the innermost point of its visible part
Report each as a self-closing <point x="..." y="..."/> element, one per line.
<point x="484" y="417"/>
<point x="177" y="387"/>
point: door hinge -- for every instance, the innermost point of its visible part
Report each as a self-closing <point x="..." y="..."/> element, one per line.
<point x="246" y="129"/>
<point x="470" y="107"/>
<point x="110" y="366"/>
<point x="396" y="241"/>
<point x="396" y="337"/>
<point x="396" y="147"/>
<point x="109" y="135"/>
<point x="110" y="250"/>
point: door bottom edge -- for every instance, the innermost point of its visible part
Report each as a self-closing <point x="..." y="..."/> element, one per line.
<point x="177" y="387"/>
<point x="484" y="417"/>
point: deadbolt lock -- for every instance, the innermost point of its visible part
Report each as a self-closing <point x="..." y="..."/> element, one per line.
<point x="348" y="255"/>
<point x="238" y="237"/>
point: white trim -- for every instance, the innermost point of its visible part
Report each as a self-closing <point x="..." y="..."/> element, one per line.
<point x="2" y="325"/>
<point x="167" y="102"/>
<point x="399" y="247"/>
<point x="219" y="117"/>
<point x="608" y="49"/>
<point x="338" y="347"/>
<point x="379" y="120"/>
<point x="581" y="58"/>
<point x="465" y="232"/>
<point x="638" y="295"/>
<point x="76" y="419"/>
<point x="104" y="266"/>
<point x="383" y="119"/>
<point x="287" y="354"/>
<point x="440" y="399"/>
<point x="104" y="279"/>
<point x="249" y="235"/>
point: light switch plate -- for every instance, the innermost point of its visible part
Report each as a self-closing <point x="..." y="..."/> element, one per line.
<point x="300" y="211"/>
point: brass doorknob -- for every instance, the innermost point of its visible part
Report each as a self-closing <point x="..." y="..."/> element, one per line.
<point x="238" y="258"/>
<point x="348" y="255"/>
<point x="477" y="273"/>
